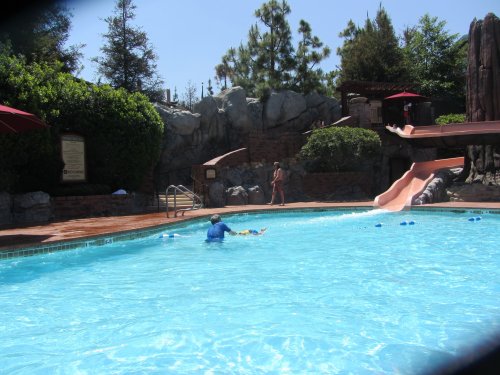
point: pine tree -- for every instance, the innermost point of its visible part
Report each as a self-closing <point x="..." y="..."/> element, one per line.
<point x="273" y="48"/>
<point x="129" y="60"/>
<point x="268" y="60"/>
<point x="371" y="53"/>
<point x="190" y="98"/>
<point x="210" y="89"/>
<point x="309" y="54"/>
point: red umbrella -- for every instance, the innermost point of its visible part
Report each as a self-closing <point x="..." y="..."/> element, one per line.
<point x="13" y="120"/>
<point x="406" y="95"/>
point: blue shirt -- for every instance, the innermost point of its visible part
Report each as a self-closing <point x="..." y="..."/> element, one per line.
<point x="216" y="231"/>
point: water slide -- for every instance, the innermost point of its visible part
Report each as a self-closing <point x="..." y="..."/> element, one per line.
<point x="450" y="135"/>
<point x="413" y="183"/>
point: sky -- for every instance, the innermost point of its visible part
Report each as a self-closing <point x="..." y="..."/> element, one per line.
<point x="191" y="36"/>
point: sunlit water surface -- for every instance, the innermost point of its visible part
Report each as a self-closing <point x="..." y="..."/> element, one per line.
<point x="319" y="292"/>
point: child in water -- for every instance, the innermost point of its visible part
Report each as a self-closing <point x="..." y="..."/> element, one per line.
<point x="246" y="232"/>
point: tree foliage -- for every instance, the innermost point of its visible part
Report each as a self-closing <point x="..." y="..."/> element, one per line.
<point x="425" y="55"/>
<point x="371" y="53"/>
<point x="210" y="89"/>
<point x="190" y="98"/>
<point x="336" y="149"/>
<point x="129" y="60"/>
<point x="269" y="61"/>
<point x="451" y="118"/>
<point x="39" y="33"/>
<point x="309" y="77"/>
<point x="123" y="131"/>
<point x="435" y="59"/>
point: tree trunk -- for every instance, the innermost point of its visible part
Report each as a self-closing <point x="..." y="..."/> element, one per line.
<point x="482" y="162"/>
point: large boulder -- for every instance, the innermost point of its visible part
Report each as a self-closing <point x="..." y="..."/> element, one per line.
<point x="234" y="104"/>
<point x="256" y="195"/>
<point x="178" y="121"/>
<point x="328" y="109"/>
<point x="282" y="107"/>
<point x="436" y="191"/>
<point x="236" y="196"/>
<point x="213" y="122"/>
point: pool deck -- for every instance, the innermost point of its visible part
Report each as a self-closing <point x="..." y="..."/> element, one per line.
<point x="91" y="228"/>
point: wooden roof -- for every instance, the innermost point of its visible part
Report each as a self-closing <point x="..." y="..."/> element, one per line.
<point x="374" y="89"/>
<point x="370" y="90"/>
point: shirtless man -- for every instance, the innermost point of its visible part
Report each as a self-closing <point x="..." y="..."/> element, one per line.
<point x="277" y="183"/>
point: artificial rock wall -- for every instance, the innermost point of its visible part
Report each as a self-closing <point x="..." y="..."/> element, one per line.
<point x="482" y="162"/>
<point x="230" y="121"/>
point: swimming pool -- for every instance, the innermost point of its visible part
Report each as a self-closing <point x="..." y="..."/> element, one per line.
<point x="319" y="292"/>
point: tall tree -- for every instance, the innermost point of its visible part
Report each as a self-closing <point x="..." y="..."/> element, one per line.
<point x="269" y="61"/>
<point x="308" y="76"/>
<point x="272" y="49"/>
<point x="190" y="98"/>
<point x="222" y="73"/>
<point x="129" y="60"/>
<point x="371" y="53"/>
<point x="436" y="59"/>
<point x="39" y="32"/>
<point x="210" y="89"/>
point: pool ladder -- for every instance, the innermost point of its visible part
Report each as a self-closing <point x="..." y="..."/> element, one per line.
<point x="180" y="199"/>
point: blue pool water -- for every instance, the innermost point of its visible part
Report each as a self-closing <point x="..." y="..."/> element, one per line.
<point x="320" y="292"/>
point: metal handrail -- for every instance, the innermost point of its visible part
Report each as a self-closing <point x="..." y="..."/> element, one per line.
<point x="182" y="190"/>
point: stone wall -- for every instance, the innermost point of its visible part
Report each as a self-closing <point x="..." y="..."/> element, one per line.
<point x="338" y="186"/>
<point x="93" y="205"/>
<point x="39" y="208"/>
<point x="249" y="183"/>
<point x="266" y="148"/>
<point x="230" y="121"/>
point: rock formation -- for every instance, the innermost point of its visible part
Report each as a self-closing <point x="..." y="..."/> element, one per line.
<point x="221" y="124"/>
<point x="482" y="162"/>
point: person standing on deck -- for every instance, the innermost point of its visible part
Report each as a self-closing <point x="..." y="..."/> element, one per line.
<point x="277" y="184"/>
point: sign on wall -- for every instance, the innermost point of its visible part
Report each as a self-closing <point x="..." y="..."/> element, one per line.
<point x="73" y="155"/>
<point x="210" y="174"/>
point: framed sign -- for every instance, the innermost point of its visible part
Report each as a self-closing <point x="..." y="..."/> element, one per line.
<point x="73" y="155"/>
<point x="210" y="174"/>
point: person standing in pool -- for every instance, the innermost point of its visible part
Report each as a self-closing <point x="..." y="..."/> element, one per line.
<point x="277" y="183"/>
<point x="216" y="231"/>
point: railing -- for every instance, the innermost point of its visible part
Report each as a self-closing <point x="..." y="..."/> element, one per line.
<point x="183" y="200"/>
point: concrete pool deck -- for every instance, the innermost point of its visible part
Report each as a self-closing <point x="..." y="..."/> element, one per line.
<point x="95" y="227"/>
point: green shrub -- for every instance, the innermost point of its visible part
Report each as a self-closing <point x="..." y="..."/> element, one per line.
<point x="123" y="132"/>
<point x="28" y="161"/>
<point x="337" y="149"/>
<point x="452" y="118"/>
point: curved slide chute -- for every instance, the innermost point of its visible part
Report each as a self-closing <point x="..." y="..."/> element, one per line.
<point x="413" y="183"/>
<point x="450" y="135"/>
